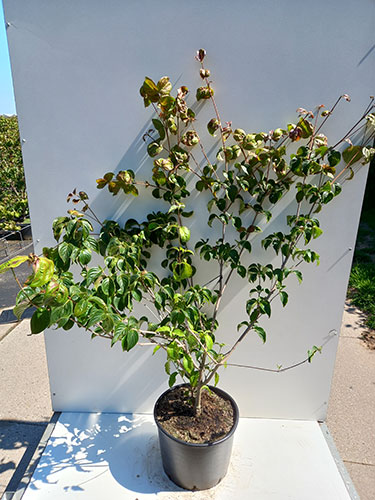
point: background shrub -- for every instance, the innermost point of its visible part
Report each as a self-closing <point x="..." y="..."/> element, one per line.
<point x="13" y="199"/>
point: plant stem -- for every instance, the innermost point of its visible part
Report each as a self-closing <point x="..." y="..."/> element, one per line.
<point x="219" y="120"/>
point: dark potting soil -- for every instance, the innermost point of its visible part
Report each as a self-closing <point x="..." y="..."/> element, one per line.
<point x="175" y="414"/>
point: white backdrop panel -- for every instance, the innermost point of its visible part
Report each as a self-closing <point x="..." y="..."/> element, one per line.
<point x="77" y="67"/>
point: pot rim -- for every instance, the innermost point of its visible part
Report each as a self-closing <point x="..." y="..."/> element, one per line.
<point x="219" y="391"/>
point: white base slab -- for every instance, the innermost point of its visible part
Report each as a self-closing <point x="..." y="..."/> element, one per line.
<point x="95" y="456"/>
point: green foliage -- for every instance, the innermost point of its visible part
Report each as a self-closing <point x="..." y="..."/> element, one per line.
<point x="362" y="278"/>
<point x="250" y="175"/>
<point x="13" y="199"/>
<point x="362" y="290"/>
<point x="12" y="263"/>
<point x="311" y="352"/>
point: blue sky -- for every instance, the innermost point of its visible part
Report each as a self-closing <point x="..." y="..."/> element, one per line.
<point x="7" y="105"/>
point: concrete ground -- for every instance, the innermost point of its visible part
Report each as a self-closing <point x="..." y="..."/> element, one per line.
<point x="351" y="410"/>
<point x="25" y="407"/>
<point x="25" y="404"/>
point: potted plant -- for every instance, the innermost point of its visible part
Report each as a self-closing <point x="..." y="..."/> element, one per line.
<point x="241" y="185"/>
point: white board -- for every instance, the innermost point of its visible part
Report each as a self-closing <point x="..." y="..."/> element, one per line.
<point x="77" y="67"/>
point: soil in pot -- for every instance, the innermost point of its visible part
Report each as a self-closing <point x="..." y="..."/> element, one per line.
<point x="175" y="415"/>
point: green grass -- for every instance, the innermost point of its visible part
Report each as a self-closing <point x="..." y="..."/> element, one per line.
<point x="362" y="290"/>
<point x="362" y="278"/>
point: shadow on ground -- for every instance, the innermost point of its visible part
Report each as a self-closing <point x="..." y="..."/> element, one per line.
<point x="7" y="315"/>
<point x="16" y="436"/>
<point x="358" y="325"/>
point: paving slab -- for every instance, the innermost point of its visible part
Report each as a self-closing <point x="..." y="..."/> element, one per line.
<point x="351" y="409"/>
<point x="363" y="477"/>
<point x="25" y="406"/>
<point x="25" y="393"/>
<point x="352" y="322"/>
<point x="18" y="440"/>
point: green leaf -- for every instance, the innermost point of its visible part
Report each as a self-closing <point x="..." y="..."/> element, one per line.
<point x="299" y="275"/>
<point x="26" y="294"/>
<point x="213" y="125"/>
<point x="232" y="192"/>
<point x="122" y="281"/>
<point x="311" y="352"/>
<point x="93" y="274"/>
<point x="167" y="103"/>
<point x="216" y="379"/>
<point x="84" y="256"/>
<point x="91" y="243"/>
<point x="209" y="341"/>
<point x="193" y="379"/>
<point x="172" y="379"/>
<point x="322" y="150"/>
<point x="43" y="274"/>
<point x="172" y="351"/>
<point x="176" y="207"/>
<point x="204" y="93"/>
<point x="243" y="323"/>
<point x="154" y="148"/>
<point x="40" y="320"/>
<point x="81" y="307"/>
<point x="333" y="157"/>
<point x="159" y="127"/>
<point x="64" y="311"/>
<point x="317" y="231"/>
<point x="260" y="331"/>
<point x="241" y="270"/>
<point x="98" y="301"/>
<point x="187" y="364"/>
<point x="164" y="329"/>
<point x="12" y="263"/>
<point x="266" y="307"/>
<point x="20" y="308"/>
<point x="306" y="127"/>
<point x="108" y="323"/>
<point x="150" y="84"/>
<point x="107" y="286"/>
<point x="303" y="151"/>
<point x="131" y="339"/>
<point x="351" y="175"/>
<point x="299" y="196"/>
<point x="95" y="316"/>
<point x="58" y="225"/>
<point x="184" y="233"/>
<point x="200" y="185"/>
<point x="284" y="298"/>
<point x="137" y="294"/>
<point x="64" y="250"/>
<point x="68" y="324"/>
<point x="164" y="85"/>
<point x="149" y="91"/>
<point x="182" y="270"/>
<point x="187" y="214"/>
<point x="167" y="367"/>
<point x="352" y="154"/>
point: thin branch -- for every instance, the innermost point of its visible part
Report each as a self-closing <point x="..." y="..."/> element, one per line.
<point x="208" y="83"/>
<point x="279" y="370"/>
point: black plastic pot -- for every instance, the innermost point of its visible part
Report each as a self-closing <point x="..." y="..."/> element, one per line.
<point x="196" y="466"/>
